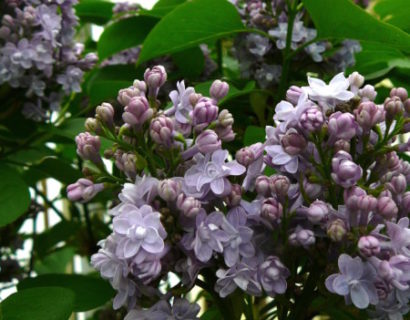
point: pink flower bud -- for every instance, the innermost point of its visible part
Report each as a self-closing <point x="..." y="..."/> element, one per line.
<point x="235" y="197"/>
<point x="397" y="184"/>
<point x="245" y="156"/>
<point x="368" y="114"/>
<point x="293" y="143"/>
<point x="400" y="93"/>
<point x="169" y="189"/>
<point x="367" y="93"/>
<point x="161" y="129"/>
<point x="312" y="119"/>
<point x="205" y="111"/>
<point x="88" y="147"/>
<point x="341" y="145"/>
<point x="155" y="78"/>
<point x="126" y="162"/>
<point x="271" y="210"/>
<point x="137" y="111"/>
<point x="368" y="246"/>
<point x="342" y="126"/>
<point x="125" y="95"/>
<point x="393" y="106"/>
<point x="92" y="125"/>
<point x="344" y="171"/>
<point x="293" y="94"/>
<point x="387" y="208"/>
<point x="318" y="211"/>
<point x="262" y="185"/>
<point x="366" y="203"/>
<point x="189" y="206"/>
<point x="356" y="80"/>
<point x="279" y="185"/>
<point x="83" y="190"/>
<point x="208" y="141"/>
<point x="226" y="134"/>
<point x="219" y="89"/>
<point x="351" y="197"/>
<point x="302" y="237"/>
<point x="141" y="86"/>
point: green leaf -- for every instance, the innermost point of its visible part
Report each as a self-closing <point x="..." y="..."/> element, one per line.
<point x="94" y="11"/>
<point x="58" y="169"/>
<point x="190" y="62"/>
<point x="70" y="128"/>
<point x="163" y="7"/>
<point x="106" y="82"/>
<point x="191" y="24"/>
<point x="14" y="195"/>
<point x="341" y="19"/>
<point x="253" y="134"/>
<point x="395" y="12"/>
<point x="32" y="154"/>
<point x="124" y="34"/>
<point x="55" y="262"/>
<point x="51" y="303"/>
<point x="90" y="292"/>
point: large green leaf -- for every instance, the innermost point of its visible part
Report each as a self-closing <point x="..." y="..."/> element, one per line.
<point x="341" y="19"/>
<point x="51" y="303"/>
<point x="94" y="11"/>
<point x="162" y="7"/>
<point x="58" y="169"/>
<point x="190" y="24"/>
<point x="90" y="292"/>
<point x="55" y="262"/>
<point x="124" y="34"/>
<point x="14" y="195"/>
<point x="395" y="12"/>
<point x="190" y="62"/>
<point x="253" y="135"/>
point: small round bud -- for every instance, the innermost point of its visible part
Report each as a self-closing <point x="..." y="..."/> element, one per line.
<point x="400" y="93"/>
<point x="366" y="203"/>
<point x="368" y="114"/>
<point x="279" y="185"/>
<point x="344" y="171"/>
<point x="312" y="119"/>
<point x="341" y="145"/>
<point x="368" y="246"/>
<point x="302" y="237"/>
<point x="393" y="106"/>
<point x="293" y="94"/>
<point x="140" y="85"/>
<point x="367" y="93"/>
<point x="318" y="211"/>
<point x="262" y="185"/>
<point x="407" y="105"/>
<point x="137" y="112"/>
<point x="351" y="197"/>
<point x="226" y="134"/>
<point x="125" y="95"/>
<point x="219" y="89"/>
<point x="83" y="190"/>
<point x="271" y="210"/>
<point x="205" y="111"/>
<point x="208" y="141"/>
<point x="169" y="189"/>
<point x="336" y="230"/>
<point x="189" y="206"/>
<point x="105" y="113"/>
<point x="245" y="156"/>
<point x="397" y="184"/>
<point x="225" y="118"/>
<point x="387" y="208"/>
<point x="342" y="126"/>
<point x="356" y="80"/>
<point x="92" y="125"/>
<point x="293" y="143"/>
<point x="194" y="98"/>
<point x="161" y="129"/>
<point x="88" y="147"/>
<point x="155" y="78"/>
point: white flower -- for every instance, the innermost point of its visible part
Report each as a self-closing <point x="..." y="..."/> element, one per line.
<point x="329" y="94"/>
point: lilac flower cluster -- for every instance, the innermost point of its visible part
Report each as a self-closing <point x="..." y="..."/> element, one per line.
<point x="38" y="54"/>
<point x="190" y="207"/>
<point x="257" y="53"/>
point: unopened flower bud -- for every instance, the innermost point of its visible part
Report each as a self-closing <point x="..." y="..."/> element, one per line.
<point x="393" y="106"/>
<point x="366" y="203"/>
<point x="312" y="119"/>
<point x="137" y="111"/>
<point x="336" y="230"/>
<point x="293" y="143"/>
<point x="318" y="211"/>
<point x="368" y="114"/>
<point x="367" y="93"/>
<point x="351" y="197"/>
<point x="88" y="147"/>
<point x="356" y="80"/>
<point x="368" y="246"/>
<point x="208" y="141"/>
<point x="262" y="185"/>
<point x="279" y="185"/>
<point x="342" y="126"/>
<point x="83" y="190"/>
<point x="226" y="134"/>
<point x="92" y="125"/>
<point x="155" y="78"/>
<point x="225" y="118"/>
<point x="387" y="208"/>
<point x="235" y="197"/>
<point x="169" y="189"/>
<point x="140" y="85"/>
<point x="161" y="129"/>
<point x="271" y="210"/>
<point x="194" y="98"/>
<point x="397" y="184"/>
<point x="302" y="237"/>
<point x="293" y="94"/>
<point x="312" y="190"/>
<point x="407" y="106"/>
<point x="405" y="203"/>
<point x="219" y="89"/>
<point x="105" y="113"/>
<point x="400" y="93"/>
<point x="245" y="156"/>
<point x="205" y="111"/>
<point x="341" y="145"/>
<point x="125" y="95"/>
<point x="189" y="206"/>
<point x="344" y="171"/>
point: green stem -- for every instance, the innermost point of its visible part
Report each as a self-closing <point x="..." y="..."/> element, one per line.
<point x="50" y="204"/>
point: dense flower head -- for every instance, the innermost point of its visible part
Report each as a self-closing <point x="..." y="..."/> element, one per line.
<point x="324" y="196"/>
<point x="39" y="55"/>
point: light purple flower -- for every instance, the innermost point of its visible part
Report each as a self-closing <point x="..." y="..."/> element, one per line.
<point x="272" y="275"/>
<point x="88" y="147"/>
<point x="210" y="173"/>
<point x="141" y="230"/>
<point x="219" y="89"/>
<point x="342" y="126"/>
<point x="181" y="101"/>
<point x="399" y="234"/>
<point x="83" y="190"/>
<point x="354" y="281"/>
<point x="137" y="111"/>
<point x="344" y="171"/>
<point x="302" y="237"/>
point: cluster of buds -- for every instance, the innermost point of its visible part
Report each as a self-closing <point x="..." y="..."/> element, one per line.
<point x="189" y="207"/>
